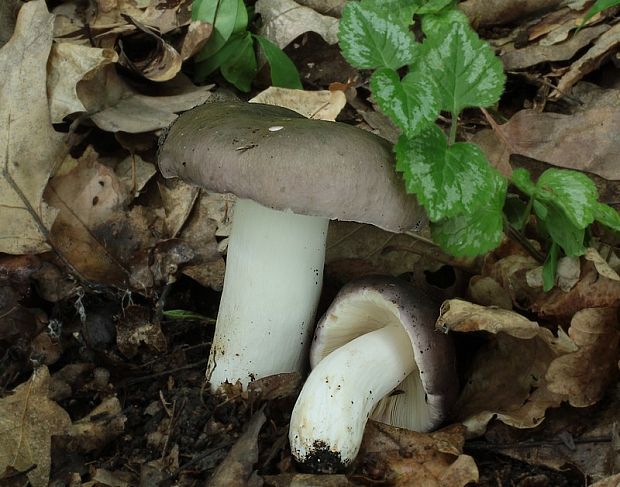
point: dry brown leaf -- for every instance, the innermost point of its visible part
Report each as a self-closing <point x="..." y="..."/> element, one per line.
<point x="28" y="420"/>
<point x="99" y="236"/>
<point x="68" y="64"/>
<point x="404" y="458"/>
<point x="486" y="291"/>
<point x="592" y="291"/>
<point x="110" y="20"/>
<point x="199" y="233"/>
<point x="584" y="140"/>
<point x="542" y="370"/>
<point x="483" y="12"/>
<point x="29" y="146"/>
<point x="237" y="467"/>
<point x="284" y="20"/>
<point x="134" y="172"/>
<point x="531" y="55"/>
<point x="89" y="197"/>
<point x="117" y="107"/>
<point x="583" y="376"/>
<point x="94" y="431"/>
<point x="606" y="45"/>
<point x="320" y="105"/>
<point x="602" y="265"/>
<point x="612" y="481"/>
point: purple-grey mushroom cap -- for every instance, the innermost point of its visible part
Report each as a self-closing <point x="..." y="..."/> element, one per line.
<point x="283" y="160"/>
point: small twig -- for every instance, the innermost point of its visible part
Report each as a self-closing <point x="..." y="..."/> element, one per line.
<point x="136" y="380"/>
<point x="517" y="236"/>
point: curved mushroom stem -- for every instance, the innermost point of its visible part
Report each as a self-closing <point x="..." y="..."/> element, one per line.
<point x="331" y="412"/>
<point x="274" y="273"/>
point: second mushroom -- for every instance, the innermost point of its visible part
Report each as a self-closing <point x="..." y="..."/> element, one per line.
<point x="375" y="354"/>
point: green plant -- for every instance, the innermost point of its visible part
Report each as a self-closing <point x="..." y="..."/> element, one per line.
<point x="231" y="47"/>
<point x="450" y="68"/>
<point x="598" y="6"/>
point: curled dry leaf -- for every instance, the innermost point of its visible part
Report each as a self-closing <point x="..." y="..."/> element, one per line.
<point x="320" y="105"/>
<point x="28" y="420"/>
<point x="605" y="46"/>
<point x="68" y="64"/>
<point x="284" y="20"/>
<point x="160" y="62"/>
<point x="531" y="55"/>
<point x="402" y="457"/>
<point x="583" y="375"/>
<point x="29" y="146"/>
<point x="543" y="370"/>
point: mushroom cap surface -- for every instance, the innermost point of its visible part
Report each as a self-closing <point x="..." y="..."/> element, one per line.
<point x="366" y="299"/>
<point x="282" y="160"/>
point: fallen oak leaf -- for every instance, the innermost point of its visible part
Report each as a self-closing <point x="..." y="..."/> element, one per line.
<point x="29" y="146"/>
<point x="28" y="420"/>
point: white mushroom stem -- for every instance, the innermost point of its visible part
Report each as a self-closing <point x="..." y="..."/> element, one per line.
<point x="274" y="272"/>
<point x="331" y="412"/>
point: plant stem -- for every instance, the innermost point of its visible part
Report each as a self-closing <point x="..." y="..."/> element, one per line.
<point x="517" y="236"/>
<point x="453" y="127"/>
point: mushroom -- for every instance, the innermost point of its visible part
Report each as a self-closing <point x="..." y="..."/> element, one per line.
<point x="291" y="175"/>
<point x="375" y="354"/>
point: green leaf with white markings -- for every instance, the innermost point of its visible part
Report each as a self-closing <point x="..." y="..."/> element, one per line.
<point x="410" y="103"/>
<point x="571" y="191"/>
<point x="371" y="38"/>
<point x="448" y="180"/>
<point x="607" y="216"/>
<point x="522" y="180"/>
<point x="463" y="67"/>
<point x="474" y="233"/>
